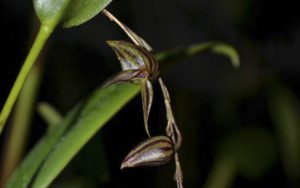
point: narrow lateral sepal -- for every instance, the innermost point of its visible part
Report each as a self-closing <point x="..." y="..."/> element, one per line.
<point x="154" y="151"/>
<point x="123" y="76"/>
<point x="147" y="98"/>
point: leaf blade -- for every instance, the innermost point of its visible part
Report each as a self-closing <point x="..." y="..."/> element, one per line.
<point x="23" y="175"/>
<point x="172" y="56"/>
<point x="89" y="122"/>
<point x="69" y="13"/>
<point x="82" y="11"/>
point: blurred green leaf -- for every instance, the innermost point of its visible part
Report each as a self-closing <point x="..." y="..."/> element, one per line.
<point x="285" y="112"/>
<point x="93" y="162"/>
<point x="177" y="54"/>
<point x="23" y="175"/>
<point x="249" y="152"/>
<point x="252" y="150"/>
<point x="99" y="108"/>
<point x="85" y="121"/>
<point x="50" y="115"/>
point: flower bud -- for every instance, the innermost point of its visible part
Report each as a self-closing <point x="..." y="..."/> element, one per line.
<point x="154" y="151"/>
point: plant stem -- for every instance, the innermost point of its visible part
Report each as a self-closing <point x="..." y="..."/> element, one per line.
<point x="44" y="33"/>
<point x="132" y="35"/>
<point x="17" y="139"/>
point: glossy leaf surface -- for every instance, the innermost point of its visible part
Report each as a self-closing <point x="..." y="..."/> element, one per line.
<point x="68" y="12"/>
<point x="80" y="11"/>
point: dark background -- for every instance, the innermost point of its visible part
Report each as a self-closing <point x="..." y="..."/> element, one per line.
<point x="210" y="98"/>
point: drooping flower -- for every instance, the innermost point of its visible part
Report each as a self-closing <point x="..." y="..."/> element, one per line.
<point x="138" y="65"/>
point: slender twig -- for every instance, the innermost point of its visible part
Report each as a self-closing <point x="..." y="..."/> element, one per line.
<point x="173" y="131"/>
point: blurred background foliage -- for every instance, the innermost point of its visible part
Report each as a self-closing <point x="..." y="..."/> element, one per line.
<point x="241" y="127"/>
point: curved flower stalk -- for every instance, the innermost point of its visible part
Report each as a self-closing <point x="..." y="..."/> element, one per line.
<point x="172" y="131"/>
<point x="138" y="65"/>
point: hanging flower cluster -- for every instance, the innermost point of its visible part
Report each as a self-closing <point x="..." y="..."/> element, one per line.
<point x="140" y="66"/>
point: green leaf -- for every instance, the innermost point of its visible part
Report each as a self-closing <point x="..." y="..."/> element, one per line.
<point x="50" y="12"/>
<point x="80" y="11"/>
<point x="70" y="13"/>
<point x="251" y="162"/>
<point x="23" y="175"/>
<point x="97" y="111"/>
<point x="285" y="109"/>
<point x="178" y="54"/>
<point x="50" y="115"/>
<point x="85" y="121"/>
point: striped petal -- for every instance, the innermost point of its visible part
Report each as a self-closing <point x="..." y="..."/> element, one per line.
<point x="123" y="76"/>
<point x="147" y="98"/>
<point x="128" y="54"/>
<point x="154" y="151"/>
<point x="132" y="56"/>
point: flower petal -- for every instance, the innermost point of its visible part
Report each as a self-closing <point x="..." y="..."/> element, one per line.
<point x="147" y="97"/>
<point x="129" y="54"/>
<point x="123" y="76"/>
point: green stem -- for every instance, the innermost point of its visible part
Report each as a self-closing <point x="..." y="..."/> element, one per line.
<point x="43" y="35"/>
<point x="17" y="139"/>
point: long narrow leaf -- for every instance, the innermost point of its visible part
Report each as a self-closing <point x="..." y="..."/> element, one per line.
<point x="97" y="111"/>
<point x="25" y="172"/>
<point x="178" y="54"/>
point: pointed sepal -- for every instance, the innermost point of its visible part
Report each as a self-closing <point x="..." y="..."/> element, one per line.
<point x="147" y="98"/>
<point x="128" y="54"/>
<point x="123" y="76"/>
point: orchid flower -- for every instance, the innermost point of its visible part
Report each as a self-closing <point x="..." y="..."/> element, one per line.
<point x="138" y="66"/>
